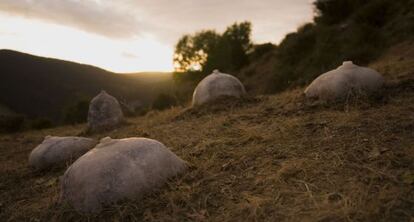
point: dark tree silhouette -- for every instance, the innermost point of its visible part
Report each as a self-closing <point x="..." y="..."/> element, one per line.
<point x="208" y="50"/>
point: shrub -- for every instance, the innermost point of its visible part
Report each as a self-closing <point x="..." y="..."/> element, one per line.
<point x="375" y="14"/>
<point x="261" y="50"/>
<point x="336" y="11"/>
<point x="164" y="101"/>
<point x="77" y="113"/>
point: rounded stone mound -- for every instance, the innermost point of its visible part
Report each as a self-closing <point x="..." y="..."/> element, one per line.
<point x="105" y="113"/>
<point x="217" y="85"/>
<point x="57" y="151"/>
<point x="118" y="169"/>
<point x="346" y="79"/>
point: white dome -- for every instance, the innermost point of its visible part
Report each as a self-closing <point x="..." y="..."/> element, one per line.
<point x="57" y="151"/>
<point x="118" y="169"/>
<point x="104" y="112"/>
<point x="216" y="85"/>
<point x="340" y="82"/>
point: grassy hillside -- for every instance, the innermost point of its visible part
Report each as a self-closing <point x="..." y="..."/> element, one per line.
<point x="357" y="30"/>
<point x="263" y="158"/>
<point x="45" y="87"/>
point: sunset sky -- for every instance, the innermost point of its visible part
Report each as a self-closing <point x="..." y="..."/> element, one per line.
<point x="135" y="35"/>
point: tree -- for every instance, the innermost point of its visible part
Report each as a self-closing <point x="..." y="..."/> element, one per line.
<point x="207" y="50"/>
<point x="335" y="11"/>
<point x="191" y="51"/>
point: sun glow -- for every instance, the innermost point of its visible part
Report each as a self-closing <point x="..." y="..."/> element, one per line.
<point x="142" y="53"/>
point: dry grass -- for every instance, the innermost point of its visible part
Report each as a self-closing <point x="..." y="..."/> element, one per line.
<point x="269" y="158"/>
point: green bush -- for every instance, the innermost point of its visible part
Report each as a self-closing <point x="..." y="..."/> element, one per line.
<point x="335" y="11"/>
<point x="77" y="113"/>
<point x="259" y="51"/>
<point x="164" y="101"/>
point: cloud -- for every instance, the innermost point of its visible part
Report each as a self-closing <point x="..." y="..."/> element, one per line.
<point x="8" y="33"/>
<point x="129" y="55"/>
<point x="271" y="19"/>
<point x="88" y="15"/>
<point x="166" y="20"/>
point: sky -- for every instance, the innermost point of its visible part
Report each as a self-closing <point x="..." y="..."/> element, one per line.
<point x="135" y="35"/>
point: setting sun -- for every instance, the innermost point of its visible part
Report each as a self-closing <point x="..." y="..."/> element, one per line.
<point x="133" y="36"/>
<point x="142" y="53"/>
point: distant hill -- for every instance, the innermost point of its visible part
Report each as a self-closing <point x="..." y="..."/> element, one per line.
<point x="151" y="77"/>
<point x="42" y="87"/>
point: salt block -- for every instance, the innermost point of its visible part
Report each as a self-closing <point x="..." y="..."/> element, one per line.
<point x="217" y="85"/>
<point x="344" y="80"/>
<point x="118" y="169"/>
<point x="57" y="151"/>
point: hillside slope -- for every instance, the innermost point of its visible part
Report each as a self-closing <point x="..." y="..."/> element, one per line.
<point x="266" y="158"/>
<point x="44" y="87"/>
<point x="356" y="30"/>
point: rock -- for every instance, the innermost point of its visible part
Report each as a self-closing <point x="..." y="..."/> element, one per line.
<point x="217" y="85"/>
<point x="104" y="113"/>
<point x="118" y="169"/>
<point x="57" y="151"/>
<point x="345" y="79"/>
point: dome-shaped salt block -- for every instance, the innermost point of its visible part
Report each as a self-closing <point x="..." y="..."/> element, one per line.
<point x="57" y="151"/>
<point x="345" y="79"/>
<point x="104" y="113"/>
<point x="217" y="85"/>
<point x="118" y="169"/>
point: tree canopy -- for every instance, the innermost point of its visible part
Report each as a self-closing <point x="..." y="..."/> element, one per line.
<point x="336" y="11"/>
<point x="208" y="50"/>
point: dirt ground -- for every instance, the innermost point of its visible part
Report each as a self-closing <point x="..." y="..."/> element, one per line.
<point x="268" y="158"/>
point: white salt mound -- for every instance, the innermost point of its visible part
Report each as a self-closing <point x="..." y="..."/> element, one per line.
<point x="104" y="113"/>
<point x="342" y="81"/>
<point x="118" y="169"/>
<point x="216" y="85"/>
<point x="57" y="151"/>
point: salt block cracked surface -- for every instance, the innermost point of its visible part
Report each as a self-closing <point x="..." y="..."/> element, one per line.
<point x="216" y="85"/>
<point x="118" y="169"/>
<point x="104" y="112"/>
<point x="345" y="79"/>
<point x="57" y="151"/>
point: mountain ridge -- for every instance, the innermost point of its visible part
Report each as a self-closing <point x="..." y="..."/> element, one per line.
<point x="43" y="87"/>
